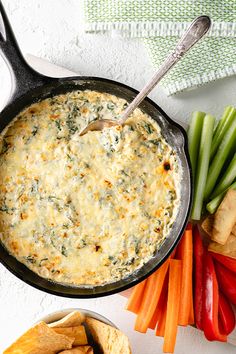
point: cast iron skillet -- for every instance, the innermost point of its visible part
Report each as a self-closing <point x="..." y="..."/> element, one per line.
<point x="29" y="86"/>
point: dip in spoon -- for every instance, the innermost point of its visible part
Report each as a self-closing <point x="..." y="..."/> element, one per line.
<point x="194" y="33"/>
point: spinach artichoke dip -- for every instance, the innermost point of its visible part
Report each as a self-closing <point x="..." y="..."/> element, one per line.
<point x="85" y="210"/>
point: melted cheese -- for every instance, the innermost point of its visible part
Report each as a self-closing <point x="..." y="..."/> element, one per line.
<point x="85" y="210"/>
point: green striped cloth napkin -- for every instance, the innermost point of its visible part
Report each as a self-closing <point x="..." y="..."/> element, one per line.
<point x="160" y="23"/>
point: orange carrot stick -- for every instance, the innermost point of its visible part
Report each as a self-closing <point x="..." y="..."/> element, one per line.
<point x="160" y="330"/>
<point x="151" y="297"/>
<point x="160" y="313"/>
<point x="135" y="298"/>
<point x="155" y="317"/>
<point x="160" y="306"/>
<point x="173" y="304"/>
<point x="185" y="253"/>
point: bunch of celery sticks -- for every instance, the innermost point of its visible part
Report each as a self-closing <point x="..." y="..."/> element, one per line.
<point x="213" y="158"/>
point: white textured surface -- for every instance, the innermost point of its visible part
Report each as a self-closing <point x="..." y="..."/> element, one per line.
<point x="52" y="29"/>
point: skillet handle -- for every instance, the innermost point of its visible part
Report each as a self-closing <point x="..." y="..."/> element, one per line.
<point x="24" y="78"/>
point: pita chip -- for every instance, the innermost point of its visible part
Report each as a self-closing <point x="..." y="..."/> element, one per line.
<point x="110" y="339"/>
<point x="73" y="319"/>
<point x="234" y="229"/>
<point x="40" y="339"/>
<point x="207" y="225"/>
<point x="77" y="332"/>
<point x="79" y="350"/>
<point x="228" y="249"/>
<point x="225" y="218"/>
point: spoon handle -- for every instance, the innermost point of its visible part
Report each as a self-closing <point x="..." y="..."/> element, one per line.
<point x="196" y="31"/>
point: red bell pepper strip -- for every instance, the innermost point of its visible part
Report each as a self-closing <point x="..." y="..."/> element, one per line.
<point x="226" y="315"/>
<point x="227" y="282"/>
<point x="228" y="262"/>
<point x="198" y="256"/>
<point x="189" y="226"/>
<point x="210" y="303"/>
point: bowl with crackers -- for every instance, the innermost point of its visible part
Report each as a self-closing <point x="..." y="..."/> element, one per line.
<point x="72" y="331"/>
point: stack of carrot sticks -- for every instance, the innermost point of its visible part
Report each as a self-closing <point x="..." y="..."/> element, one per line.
<point x="165" y="299"/>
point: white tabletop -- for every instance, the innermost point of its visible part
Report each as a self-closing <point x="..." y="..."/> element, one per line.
<point x="52" y="30"/>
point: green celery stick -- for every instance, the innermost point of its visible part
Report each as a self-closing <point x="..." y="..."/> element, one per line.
<point x="194" y="135"/>
<point x="222" y="120"/>
<point x="214" y="203"/>
<point x="202" y="166"/>
<point x="225" y="147"/>
<point x="228" y="116"/>
<point x="227" y="178"/>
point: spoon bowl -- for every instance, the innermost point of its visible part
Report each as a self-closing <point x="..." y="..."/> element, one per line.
<point x="97" y="125"/>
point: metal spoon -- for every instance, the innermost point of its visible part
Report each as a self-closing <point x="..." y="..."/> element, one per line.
<point x="196" y="31"/>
